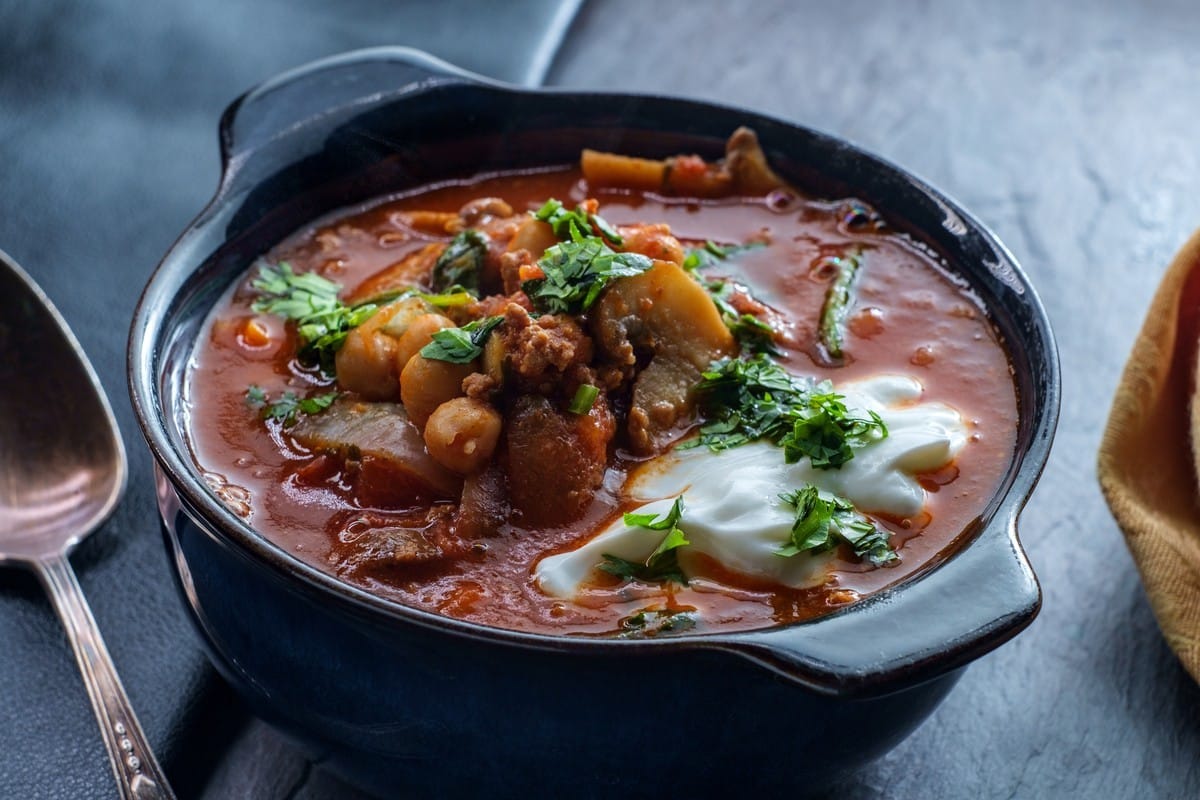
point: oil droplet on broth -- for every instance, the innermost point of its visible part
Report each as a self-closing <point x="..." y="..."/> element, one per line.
<point x="923" y="356"/>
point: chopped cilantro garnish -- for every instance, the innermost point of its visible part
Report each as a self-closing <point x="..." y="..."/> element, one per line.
<point x="825" y="431"/>
<point x="461" y="262"/>
<point x="752" y="334"/>
<point x="450" y="297"/>
<point x="711" y="253"/>
<point x="824" y="519"/>
<point x="585" y="398"/>
<point x="651" y="622"/>
<point x="663" y="563"/>
<point x="747" y="399"/>
<point x="289" y="406"/>
<point x="575" y="225"/>
<point x="294" y="296"/>
<point x="454" y="296"/>
<point x="755" y="398"/>
<point x="461" y="345"/>
<point x="311" y="301"/>
<point x="577" y="271"/>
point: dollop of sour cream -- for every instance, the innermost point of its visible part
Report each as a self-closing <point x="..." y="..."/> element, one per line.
<point x="732" y="512"/>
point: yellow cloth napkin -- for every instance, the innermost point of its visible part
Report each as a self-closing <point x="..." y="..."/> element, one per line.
<point x="1150" y="457"/>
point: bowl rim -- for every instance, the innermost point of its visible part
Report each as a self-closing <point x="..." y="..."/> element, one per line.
<point x="149" y="328"/>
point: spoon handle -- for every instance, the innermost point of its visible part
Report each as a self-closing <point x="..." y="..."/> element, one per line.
<point x="138" y="775"/>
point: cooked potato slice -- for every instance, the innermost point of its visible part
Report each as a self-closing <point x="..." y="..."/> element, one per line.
<point x="626" y="172"/>
<point x="664" y="312"/>
<point x="533" y="235"/>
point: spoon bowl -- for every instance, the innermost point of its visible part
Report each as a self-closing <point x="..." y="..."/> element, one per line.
<point x="62" y="471"/>
<point x="62" y="464"/>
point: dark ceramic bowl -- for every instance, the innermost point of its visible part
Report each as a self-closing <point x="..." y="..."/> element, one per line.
<point x="403" y="701"/>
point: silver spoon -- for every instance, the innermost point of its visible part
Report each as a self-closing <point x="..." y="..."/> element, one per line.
<point x="62" y="470"/>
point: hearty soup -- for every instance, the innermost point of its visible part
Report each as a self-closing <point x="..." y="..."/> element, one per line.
<point x="631" y="398"/>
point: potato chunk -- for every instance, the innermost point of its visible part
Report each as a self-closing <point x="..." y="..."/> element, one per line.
<point x="627" y="172"/>
<point x="667" y="314"/>
<point x="533" y="235"/>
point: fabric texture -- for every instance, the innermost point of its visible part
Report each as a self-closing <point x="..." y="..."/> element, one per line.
<point x="1149" y="462"/>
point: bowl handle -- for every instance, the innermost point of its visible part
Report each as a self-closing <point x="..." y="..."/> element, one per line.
<point x="326" y="87"/>
<point x="976" y="601"/>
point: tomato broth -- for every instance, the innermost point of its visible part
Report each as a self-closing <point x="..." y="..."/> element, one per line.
<point x="909" y="316"/>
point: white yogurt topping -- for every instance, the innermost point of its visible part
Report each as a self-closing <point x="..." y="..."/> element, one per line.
<point x="732" y="511"/>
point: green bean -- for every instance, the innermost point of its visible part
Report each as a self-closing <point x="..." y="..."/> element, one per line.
<point x="838" y="300"/>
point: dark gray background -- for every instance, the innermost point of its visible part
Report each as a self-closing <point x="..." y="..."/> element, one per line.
<point x="1070" y="128"/>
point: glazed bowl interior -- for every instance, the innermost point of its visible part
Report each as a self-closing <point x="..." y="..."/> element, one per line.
<point x="349" y="131"/>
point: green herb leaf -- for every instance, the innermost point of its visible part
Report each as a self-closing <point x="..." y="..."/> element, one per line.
<point x="585" y="398"/>
<point x="869" y="542"/>
<point x="292" y="296"/>
<point x="289" y="406"/>
<point x="668" y="523"/>
<point x="311" y="301"/>
<point x="838" y="300"/>
<point x="826" y="432"/>
<point x="461" y="345"/>
<point x="576" y="225"/>
<point x="452" y="297"/>
<point x="712" y="253"/>
<point x="651" y="622"/>
<point x="746" y="400"/>
<point x="752" y="334"/>
<point x="754" y="398"/>
<point x="663" y="563"/>
<point x="666" y="569"/>
<point x="822" y="520"/>
<point x="255" y="396"/>
<point x="461" y="263"/>
<point x="577" y="271"/>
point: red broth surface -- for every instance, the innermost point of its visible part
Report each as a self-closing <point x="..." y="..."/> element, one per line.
<point x="910" y="316"/>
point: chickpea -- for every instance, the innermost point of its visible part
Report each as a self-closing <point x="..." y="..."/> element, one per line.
<point x="366" y="362"/>
<point x="418" y="334"/>
<point x="461" y="434"/>
<point x="427" y="383"/>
